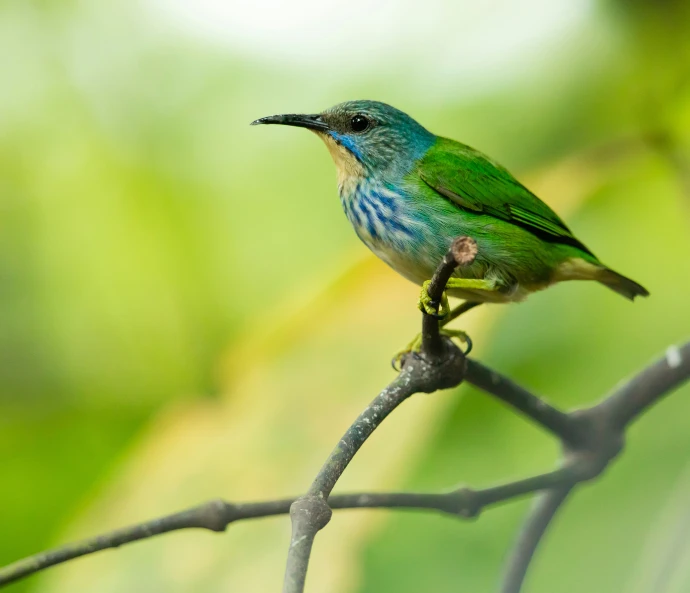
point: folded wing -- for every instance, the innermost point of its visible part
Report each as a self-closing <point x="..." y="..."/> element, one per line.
<point x="474" y="182"/>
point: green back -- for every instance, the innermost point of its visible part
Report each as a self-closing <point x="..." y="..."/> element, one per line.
<point x="476" y="183"/>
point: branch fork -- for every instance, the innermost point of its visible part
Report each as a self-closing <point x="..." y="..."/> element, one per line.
<point x="439" y="365"/>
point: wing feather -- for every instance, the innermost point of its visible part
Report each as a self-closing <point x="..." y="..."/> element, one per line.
<point x="476" y="183"/>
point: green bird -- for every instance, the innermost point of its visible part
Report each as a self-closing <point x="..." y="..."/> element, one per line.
<point x="409" y="193"/>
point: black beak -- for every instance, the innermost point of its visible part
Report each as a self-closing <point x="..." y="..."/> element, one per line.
<point x="312" y="122"/>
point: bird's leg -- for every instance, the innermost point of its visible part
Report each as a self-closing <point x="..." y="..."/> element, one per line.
<point x="443" y="313"/>
<point x="458" y="333"/>
<point x="416" y="343"/>
<point x="442" y="310"/>
<point x="459" y="310"/>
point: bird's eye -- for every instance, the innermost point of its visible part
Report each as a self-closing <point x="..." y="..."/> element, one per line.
<point x="359" y="123"/>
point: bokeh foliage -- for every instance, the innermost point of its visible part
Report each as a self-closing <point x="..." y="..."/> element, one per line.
<point x="177" y="289"/>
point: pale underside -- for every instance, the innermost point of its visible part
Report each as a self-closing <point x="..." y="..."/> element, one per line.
<point x="504" y="292"/>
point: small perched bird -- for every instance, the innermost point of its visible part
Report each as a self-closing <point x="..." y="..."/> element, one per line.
<point x="408" y="193"/>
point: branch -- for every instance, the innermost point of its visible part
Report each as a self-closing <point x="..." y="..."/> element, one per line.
<point x="591" y="438"/>
<point x="217" y="515"/>
<point x="439" y="365"/>
<point x="556" y="422"/>
<point x="530" y="536"/>
<point x="629" y="401"/>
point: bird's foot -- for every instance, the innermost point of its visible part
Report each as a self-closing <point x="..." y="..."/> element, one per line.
<point x="416" y="344"/>
<point x="431" y="307"/>
<point x="461" y="336"/>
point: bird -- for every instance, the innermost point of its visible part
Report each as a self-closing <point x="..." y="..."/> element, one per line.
<point x="409" y="193"/>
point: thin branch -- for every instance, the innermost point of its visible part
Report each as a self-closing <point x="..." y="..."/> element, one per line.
<point x="646" y="388"/>
<point x="462" y="252"/>
<point x="311" y="513"/>
<point x="556" y="422"/>
<point x="531" y="534"/>
<point x="591" y="437"/>
<point x="213" y="515"/>
<point x="217" y="515"/>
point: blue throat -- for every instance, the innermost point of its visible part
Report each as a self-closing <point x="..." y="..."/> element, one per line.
<point x="347" y="143"/>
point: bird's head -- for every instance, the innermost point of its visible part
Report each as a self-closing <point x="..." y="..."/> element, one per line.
<point x="364" y="137"/>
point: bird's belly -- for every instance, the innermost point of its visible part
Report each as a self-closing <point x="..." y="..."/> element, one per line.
<point x="515" y="294"/>
<point x="410" y="264"/>
<point x="417" y="265"/>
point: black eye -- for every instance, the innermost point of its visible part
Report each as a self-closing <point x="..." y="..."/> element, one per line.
<point x="359" y="123"/>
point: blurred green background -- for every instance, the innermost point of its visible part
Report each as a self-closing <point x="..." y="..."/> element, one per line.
<point x="187" y="313"/>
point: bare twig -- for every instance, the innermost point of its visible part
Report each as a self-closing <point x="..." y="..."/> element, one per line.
<point x="591" y="438"/>
<point x="461" y="253"/>
<point x="646" y="388"/>
<point x="217" y="515"/>
<point x="556" y="422"/>
<point x="523" y="551"/>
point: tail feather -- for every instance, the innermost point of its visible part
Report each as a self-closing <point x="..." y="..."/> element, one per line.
<point x="620" y="284"/>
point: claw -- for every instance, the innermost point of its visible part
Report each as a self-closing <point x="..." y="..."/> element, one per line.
<point x="416" y="344"/>
<point x="413" y="346"/>
<point x="460" y="335"/>
<point x="396" y="361"/>
<point x="439" y="311"/>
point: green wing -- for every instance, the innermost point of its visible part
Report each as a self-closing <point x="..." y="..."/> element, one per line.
<point x="475" y="183"/>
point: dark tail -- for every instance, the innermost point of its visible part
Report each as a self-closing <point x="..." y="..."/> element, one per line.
<point x="620" y="284"/>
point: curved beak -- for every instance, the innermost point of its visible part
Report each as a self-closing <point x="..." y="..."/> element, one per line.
<point x="312" y="122"/>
